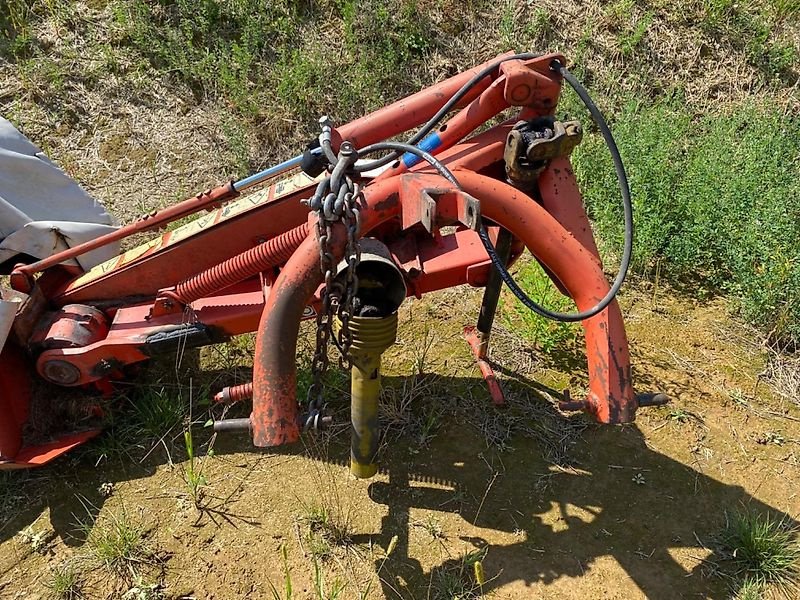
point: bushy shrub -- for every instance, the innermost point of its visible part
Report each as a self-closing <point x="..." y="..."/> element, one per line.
<point x="717" y="197"/>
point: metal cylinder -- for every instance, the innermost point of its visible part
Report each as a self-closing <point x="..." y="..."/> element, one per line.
<point x="381" y="287"/>
<point x="371" y="337"/>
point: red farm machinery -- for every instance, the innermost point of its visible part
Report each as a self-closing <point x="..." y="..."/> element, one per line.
<point x="341" y="234"/>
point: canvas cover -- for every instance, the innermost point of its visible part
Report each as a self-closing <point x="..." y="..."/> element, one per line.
<point x="42" y="209"/>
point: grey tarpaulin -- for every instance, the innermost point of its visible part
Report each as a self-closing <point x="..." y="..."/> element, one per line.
<point x="42" y="209"/>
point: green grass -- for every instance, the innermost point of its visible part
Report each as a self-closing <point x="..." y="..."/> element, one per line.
<point x="715" y="196"/>
<point x="157" y="410"/>
<point x="764" y="552"/>
<point x="327" y="526"/>
<point x="460" y="578"/>
<point x="751" y="30"/>
<point x="287" y="590"/>
<point x="749" y="590"/>
<point x="324" y="590"/>
<point x="65" y="582"/>
<point x="544" y="334"/>
<point x="263" y="57"/>
<point x="117" y="541"/>
<point x="196" y="480"/>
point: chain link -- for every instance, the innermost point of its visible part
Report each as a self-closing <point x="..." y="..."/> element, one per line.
<point x="337" y="199"/>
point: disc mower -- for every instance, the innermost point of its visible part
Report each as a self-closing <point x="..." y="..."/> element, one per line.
<point x="341" y="234"/>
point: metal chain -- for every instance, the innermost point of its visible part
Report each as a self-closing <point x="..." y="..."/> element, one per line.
<point x="336" y="199"/>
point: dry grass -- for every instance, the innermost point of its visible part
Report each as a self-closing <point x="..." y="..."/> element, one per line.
<point x="783" y="373"/>
<point x="138" y="138"/>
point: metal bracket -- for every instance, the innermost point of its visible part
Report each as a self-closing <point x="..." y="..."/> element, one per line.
<point x="531" y="144"/>
<point x="434" y="206"/>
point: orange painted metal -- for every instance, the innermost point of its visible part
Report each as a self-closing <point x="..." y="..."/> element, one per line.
<point x="266" y="255"/>
<point x="495" y="391"/>
<point x="275" y="417"/>
<point x="167" y="263"/>
<point x="535" y="75"/>
<point x="253" y="265"/>
<point x="454" y="259"/>
<point x="171" y="258"/>
<point x="611" y="398"/>
<point x="40" y="454"/>
<point x="414" y="110"/>
<point x="22" y="276"/>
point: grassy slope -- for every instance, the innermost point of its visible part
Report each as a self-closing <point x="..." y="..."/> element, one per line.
<point x="702" y="96"/>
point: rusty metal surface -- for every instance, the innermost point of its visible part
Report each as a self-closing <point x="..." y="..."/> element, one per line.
<point x="477" y="346"/>
<point x="531" y="144"/>
<point x="234" y="393"/>
<point x="22" y="277"/>
<point x="532" y="84"/>
<point x="275" y="415"/>
<point x="611" y="398"/>
<point x="227" y="269"/>
<point x="275" y="412"/>
<point x="14" y="401"/>
<point x="170" y="258"/>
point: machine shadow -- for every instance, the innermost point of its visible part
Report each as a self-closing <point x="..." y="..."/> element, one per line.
<point x="540" y="521"/>
<point x="614" y="495"/>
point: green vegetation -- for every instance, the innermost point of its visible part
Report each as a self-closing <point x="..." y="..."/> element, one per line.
<point x="258" y="56"/>
<point x="65" y="582"/>
<point x="118" y="543"/>
<point x="154" y="415"/>
<point x="461" y="578"/>
<point x="715" y="196"/>
<point x="765" y="553"/>
<point x="157" y="411"/>
<point x="288" y="590"/>
<point x="546" y="335"/>
<point x="196" y="480"/>
<point x="328" y="526"/>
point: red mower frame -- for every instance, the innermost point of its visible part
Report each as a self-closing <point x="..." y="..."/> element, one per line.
<point x="252" y="264"/>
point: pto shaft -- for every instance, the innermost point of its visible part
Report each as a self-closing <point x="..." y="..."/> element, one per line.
<point x="371" y="337"/>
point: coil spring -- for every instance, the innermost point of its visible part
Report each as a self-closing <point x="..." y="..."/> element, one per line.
<point x="268" y="254"/>
<point x="235" y="393"/>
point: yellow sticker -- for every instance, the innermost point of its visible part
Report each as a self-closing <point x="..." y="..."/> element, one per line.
<point x="281" y="189"/>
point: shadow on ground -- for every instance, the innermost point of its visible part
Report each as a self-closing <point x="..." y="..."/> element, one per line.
<point x="614" y="496"/>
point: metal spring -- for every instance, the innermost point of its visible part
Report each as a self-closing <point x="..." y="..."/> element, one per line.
<point x="242" y="266"/>
<point x="235" y="393"/>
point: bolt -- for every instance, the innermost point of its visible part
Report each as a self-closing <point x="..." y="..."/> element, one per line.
<point x="60" y="372"/>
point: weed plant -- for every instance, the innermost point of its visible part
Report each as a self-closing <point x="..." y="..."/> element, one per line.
<point x="118" y="543"/>
<point x="65" y="582"/>
<point x="764" y="552"/>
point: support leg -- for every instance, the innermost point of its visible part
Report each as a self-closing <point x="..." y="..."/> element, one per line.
<point x="478" y="337"/>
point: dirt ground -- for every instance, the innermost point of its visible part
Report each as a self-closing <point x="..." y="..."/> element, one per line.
<point x="560" y="507"/>
<point x="553" y="505"/>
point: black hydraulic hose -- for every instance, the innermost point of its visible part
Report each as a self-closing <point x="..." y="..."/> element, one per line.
<point x="410" y="148"/>
<point x="446" y="108"/>
<point x="624" y="188"/>
<point x="484" y="235"/>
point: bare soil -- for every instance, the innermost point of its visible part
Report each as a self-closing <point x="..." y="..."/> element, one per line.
<point x="562" y="508"/>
